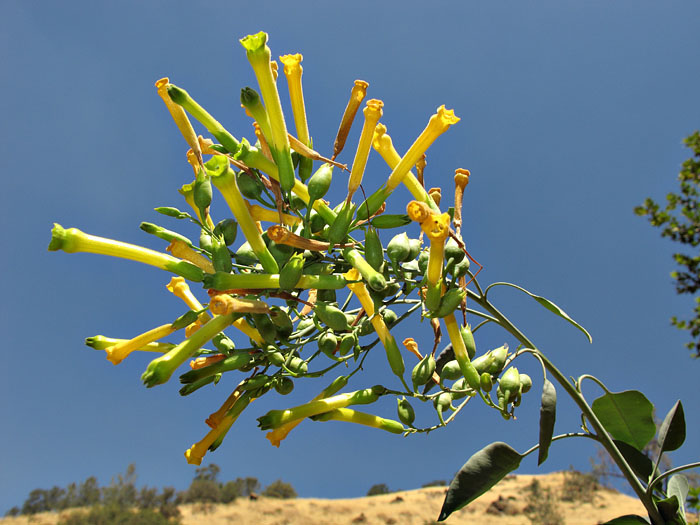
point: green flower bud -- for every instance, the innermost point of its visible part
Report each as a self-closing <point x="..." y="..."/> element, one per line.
<point x="275" y="358"/>
<point x="169" y="211"/>
<point x="221" y="257"/>
<point x="499" y="356"/>
<point x="461" y="268"/>
<point x="347" y="343"/>
<point x="415" y="247"/>
<point x="423" y="258"/>
<point x="250" y="187"/>
<point x="405" y="412"/>
<point x="202" y="192"/>
<point x="387" y="221"/>
<point x="510" y="383"/>
<point x="265" y="326"/>
<point x="291" y="272"/>
<point x="205" y="241"/>
<point x="255" y="382"/>
<point x="374" y="253"/>
<point x="164" y="234"/>
<point x="451" y="370"/>
<point x="449" y="302"/>
<point x="246" y="255"/>
<point x="298" y="366"/>
<point x="282" y="322"/>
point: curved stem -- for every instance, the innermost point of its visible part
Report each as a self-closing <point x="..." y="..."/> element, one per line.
<point x="562" y="436"/>
<point x="578" y="398"/>
<point x="594" y="379"/>
<point x="670" y="472"/>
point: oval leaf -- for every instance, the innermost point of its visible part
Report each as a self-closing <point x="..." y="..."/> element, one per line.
<point x="549" y="305"/>
<point x="669" y="509"/>
<point x="481" y="472"/>
<point x="640" y="463"/>
<point x="672" y="430"/>
<point x="628" y="519"/>
<point x="548" y="414"/>
<point x="627" y="416"/>
<point x="678" y="486"/>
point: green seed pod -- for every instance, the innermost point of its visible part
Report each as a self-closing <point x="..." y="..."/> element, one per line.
<point x="483" y="363"/>
<point x="296" y="203"/>
<point x="499" y="356"/>
<point x="387" y="221"/>
<point x="374" y="253"/>
<point x="205" y="242"/>
<point x="510" y="383"/>
<point x="246" y="255"/>
<point x="461" y="384"/>
<point x="451" y="370"/>
<point x="405" y="412"/>
<point x="202" y="192"/>
<point x="332" y="317"/>
<point x="415" y="247"/>
<point x="450" y="301"/>
<point x="282" y="322"/>
<point x="328" y="296"/>
<point x="316" y="222"/>
<point x="453" y="251"/>
<point x="223" y="344"/>
<point x="399" y="248"/>
<point x="305" y="323"/>
<point x="525" y="383"/>
<point x="265" y="327"/>
<point x="320" y="182"/>
<point x="275" y="358"/>
<point x="298" y="365"/>
<point x="423" y="261"/>
<point x="347" y="343"/>
<point x="221" y="257"/>
<point x="390" y="317"/>
<point x="228" y="229"/>
<point x="250" y="187"/>
<point x="423" y="371"/>
<point x="366" y="327"/>
<point x="461" y="269"/>
<point x="486" y="382"/>
<point x="291" y="272"/>
<point x="442" y="403"/>
<point x="338" y="231"/>
<point x="284" y="385"/>
<point x="255" y="382"/>
<point x="468" y="338"/>
<point x="280" y="252"/>
<point x="328" y="342"/>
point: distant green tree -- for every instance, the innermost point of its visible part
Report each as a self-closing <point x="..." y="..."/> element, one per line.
<point x="680" y="221"/>
<point x="280" y="489"/>
<point x="89" y="492"/>
<point x="208" y="473"/>
<point x="121" y="492"/>
<point x="14" y="511"/>
<point x="379" y="488"/>
<point x="115" y="515"/>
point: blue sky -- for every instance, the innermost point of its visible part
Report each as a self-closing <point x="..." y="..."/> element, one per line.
<point x="572" y="114"/>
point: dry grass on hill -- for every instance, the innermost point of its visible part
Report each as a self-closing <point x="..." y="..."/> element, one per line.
<point x="503" y="505"/>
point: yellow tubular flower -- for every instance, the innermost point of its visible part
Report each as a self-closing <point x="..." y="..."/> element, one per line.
<point x="437" y="229"/>
<point x="293" y="72"/>
<point x="117" y="353"/>
<point x="180" y="250"/>
<point x="100" y="342"/>
<point x="436" y="195"/>
<point x="357" y="95"/>
<point x="201" y="362"/>
<point x="179" y="116"/>
<point x="214" y="420"/>
<point x="360" y="291"/>
<point x="249" y="330"/>
<point x="372" y="112"/>
<point x="263" y="214"/>
<point x="437" y="125"/>
<point x="195" y="454"/>
<point x="263" y="143"/>
<point x="461" y="181"/>
<point x="179" y="288"/>
<point x="383" y="144"/>
<point x="224" y="304"/>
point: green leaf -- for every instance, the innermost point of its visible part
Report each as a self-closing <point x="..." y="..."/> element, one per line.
<point x="481" y="472"/>
<point x="669" y="510"/>
<point x="628" y="519"/>
<point x="627" y="416"/>
<point x="678" y="487"/>
<point x="672" y="430"/>
<point x="640" y="463"/>
<point x="548" y="414"/>
<point x="549" y="305"/>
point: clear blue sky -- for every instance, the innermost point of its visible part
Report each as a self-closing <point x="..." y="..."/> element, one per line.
<point x="571" y="114"/>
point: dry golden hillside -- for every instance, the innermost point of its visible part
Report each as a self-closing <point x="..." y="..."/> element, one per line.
<point x="503" y="505"/>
